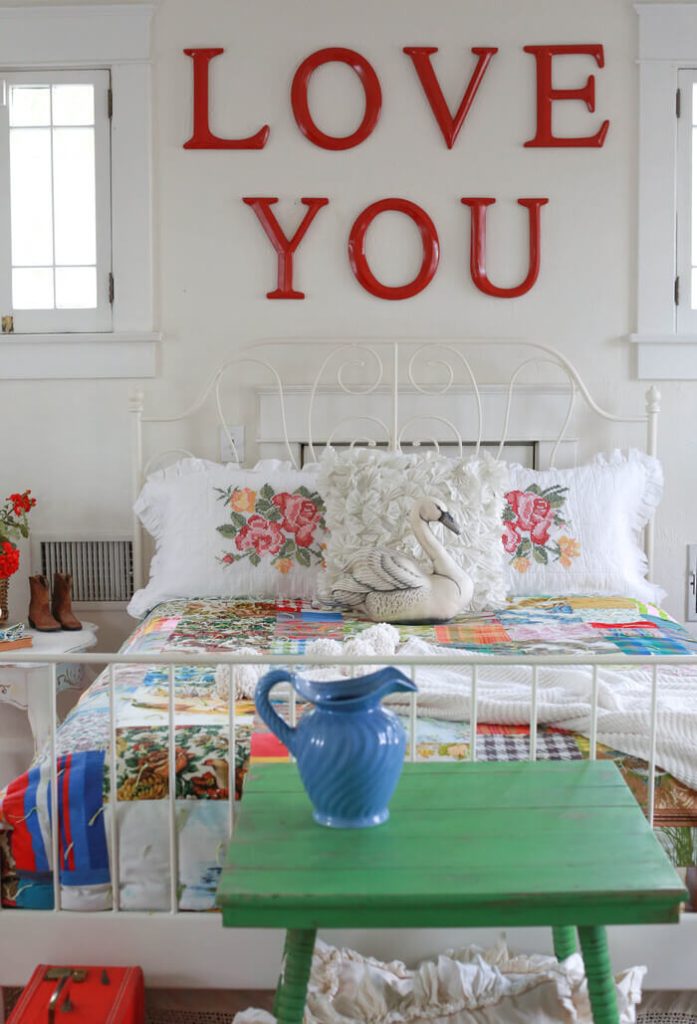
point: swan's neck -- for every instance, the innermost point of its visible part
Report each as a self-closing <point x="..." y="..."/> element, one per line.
<point x="443" y="563"/>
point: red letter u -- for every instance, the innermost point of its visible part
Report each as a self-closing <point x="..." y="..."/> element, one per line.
<point x="478" y="247"/>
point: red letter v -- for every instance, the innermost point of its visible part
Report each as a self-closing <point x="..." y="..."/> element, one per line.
<point x="449" y="125"/>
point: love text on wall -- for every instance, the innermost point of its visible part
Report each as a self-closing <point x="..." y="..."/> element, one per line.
<point x="450" y="126"/>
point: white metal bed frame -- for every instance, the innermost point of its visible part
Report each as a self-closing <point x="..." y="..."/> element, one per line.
<point x="191" y="950"/>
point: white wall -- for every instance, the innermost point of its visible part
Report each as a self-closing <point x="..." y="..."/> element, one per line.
<point x="69" y="440"/>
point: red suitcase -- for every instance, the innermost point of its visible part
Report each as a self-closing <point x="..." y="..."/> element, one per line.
<point x="82" y="995"/>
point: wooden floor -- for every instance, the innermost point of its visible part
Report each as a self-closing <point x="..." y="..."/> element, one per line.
<point x="192" y="1003"/>
<point x="209" y="1000"/>
<point x="189" y="1003"/>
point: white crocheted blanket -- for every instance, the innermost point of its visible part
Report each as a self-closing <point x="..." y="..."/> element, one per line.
<point x="564" y="696"/>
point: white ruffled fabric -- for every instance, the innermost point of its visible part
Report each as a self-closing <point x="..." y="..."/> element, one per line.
<point x="368" y="495"/>
<point x="470" y="986"/>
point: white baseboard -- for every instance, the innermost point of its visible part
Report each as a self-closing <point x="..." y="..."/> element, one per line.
<point x="194" y="951"/>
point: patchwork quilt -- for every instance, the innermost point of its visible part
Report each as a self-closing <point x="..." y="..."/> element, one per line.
<point x="204" y="787"/>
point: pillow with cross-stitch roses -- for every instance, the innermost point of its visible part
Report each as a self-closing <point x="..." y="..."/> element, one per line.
<point x="222" y="531"/>
<point x="579" y="531"/>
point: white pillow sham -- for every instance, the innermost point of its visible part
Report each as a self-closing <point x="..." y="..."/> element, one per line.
<point x="222" y="531"/>
<point x="578" y="531"/>
<point x="369" y="494"/>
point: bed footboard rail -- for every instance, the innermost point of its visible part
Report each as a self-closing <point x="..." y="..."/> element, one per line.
<point x="588" y="678"/>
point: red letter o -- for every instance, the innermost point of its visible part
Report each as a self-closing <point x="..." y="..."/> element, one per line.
<point x="301" y="109"/>
<point x="429" y="242"/>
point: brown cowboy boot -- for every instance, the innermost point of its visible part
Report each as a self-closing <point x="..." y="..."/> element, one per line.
<point x="39" y="612"/>
<point x="61" y="605"/>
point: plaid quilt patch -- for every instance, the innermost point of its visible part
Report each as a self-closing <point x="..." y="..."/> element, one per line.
<point x="550" y="747"/>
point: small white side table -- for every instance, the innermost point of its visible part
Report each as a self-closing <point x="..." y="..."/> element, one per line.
<point x="24" y="685"/>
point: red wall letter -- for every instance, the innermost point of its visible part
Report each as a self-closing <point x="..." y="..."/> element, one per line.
<point x="429" y="242"/>
<point x="301" y="109"/>
<point x="203" y="137"/>
<point x="547" y="94"/>
<point x="450" y="126"/>
<point x="284" y="247"/>
<point x="478" y="247"/>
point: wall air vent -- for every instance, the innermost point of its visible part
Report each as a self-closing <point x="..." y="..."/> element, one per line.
<point x="102" y="570"/>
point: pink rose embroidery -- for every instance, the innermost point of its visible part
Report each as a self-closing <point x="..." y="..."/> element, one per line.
<point x="262" y="535"/>
<point x="283" y="529"/>
<point x="530" y="510"/>
<point x="511" y="538"/>
<point x="530" y="519"/>
<point x="300" y="517"/>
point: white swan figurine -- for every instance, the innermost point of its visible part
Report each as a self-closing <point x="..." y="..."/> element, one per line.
<point x="388" y="586"/>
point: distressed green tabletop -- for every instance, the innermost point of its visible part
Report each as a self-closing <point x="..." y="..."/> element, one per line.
<point x="475" y="844"/>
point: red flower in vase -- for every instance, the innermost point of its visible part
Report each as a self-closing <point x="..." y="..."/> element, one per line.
<point x="22" y="503"/>
<point x="9" y="559"/>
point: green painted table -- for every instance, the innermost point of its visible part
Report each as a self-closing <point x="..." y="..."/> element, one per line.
<point x="562" y="844"/>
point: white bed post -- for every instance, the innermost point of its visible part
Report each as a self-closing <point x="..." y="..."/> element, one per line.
<point x="135" y="407"/>
<point x="653" y="407"/>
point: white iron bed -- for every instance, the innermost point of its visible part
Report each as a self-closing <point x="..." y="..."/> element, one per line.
<point x="392" y="392"/>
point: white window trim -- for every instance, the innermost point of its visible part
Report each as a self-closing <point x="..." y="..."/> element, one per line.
<point x="33" y="320"/>
<point x="667" y="32"/>
<point x="116" y="37"/>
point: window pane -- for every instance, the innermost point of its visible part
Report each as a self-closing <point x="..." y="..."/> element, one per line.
<point x="31" y="201"/>
<point x="76" y="287"/>
<point x="32" y="288"/>
<point x="73" y="104"/>
<point x="74" y="195"/>
<point x="30" y="105"/>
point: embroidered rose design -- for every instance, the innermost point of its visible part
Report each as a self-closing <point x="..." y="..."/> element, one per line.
<point x="530" y="520"/>
<point x="261" y="535"/>
<point x="300" y="516"/>
<point x="243" y="499"/>
<point x="287" y="527"/>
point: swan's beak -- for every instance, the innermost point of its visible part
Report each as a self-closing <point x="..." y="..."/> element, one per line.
<point x="447" y="520"/>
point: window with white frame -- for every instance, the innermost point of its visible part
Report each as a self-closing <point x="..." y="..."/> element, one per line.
<point x="666" y="329"/>
<point x="76" y="242"/>
<point x="686" y="204"/>
<point x="55" y="202"/>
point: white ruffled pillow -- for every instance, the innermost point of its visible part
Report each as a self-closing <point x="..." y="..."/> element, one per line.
<point x="578" y="531"/>
<point x="222" y="531"/>
<point x="368" y="495"/>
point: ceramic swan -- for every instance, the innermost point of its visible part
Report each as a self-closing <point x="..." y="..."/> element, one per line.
<point x="389" y="586"/>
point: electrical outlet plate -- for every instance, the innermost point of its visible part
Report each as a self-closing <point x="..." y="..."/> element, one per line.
<point x="691" y="587"/>
<point x="227" y="452"/>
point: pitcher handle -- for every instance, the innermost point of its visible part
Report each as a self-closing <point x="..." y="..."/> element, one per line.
<point x="268" y="715"/>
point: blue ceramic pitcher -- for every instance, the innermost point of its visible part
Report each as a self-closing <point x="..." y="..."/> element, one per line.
<point x="349" y="749"/>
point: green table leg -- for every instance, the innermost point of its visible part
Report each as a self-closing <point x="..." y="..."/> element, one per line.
<point x="289" y="1004"/>
<point x="564" y="941"/>
<point x="601" y="983"/>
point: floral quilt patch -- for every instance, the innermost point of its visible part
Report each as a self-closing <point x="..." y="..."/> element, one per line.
<point x="286" y="528"/>
<point x="535" y="528"/>
<point x="201" y="763"/>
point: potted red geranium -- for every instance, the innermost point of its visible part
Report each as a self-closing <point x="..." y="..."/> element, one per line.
<point x="14" y="525"/>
